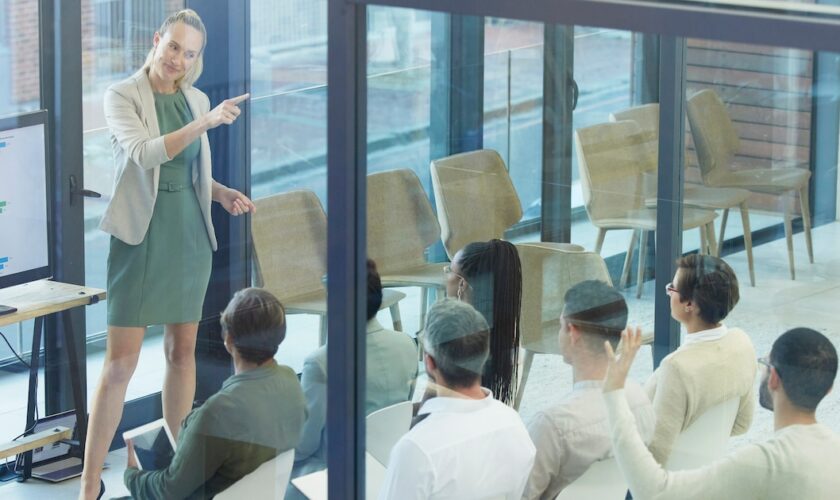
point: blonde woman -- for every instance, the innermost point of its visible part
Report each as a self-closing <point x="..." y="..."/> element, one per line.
<point x="162" y="236"/>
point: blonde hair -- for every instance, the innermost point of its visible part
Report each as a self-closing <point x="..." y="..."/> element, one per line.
<point x="192" y="19"/>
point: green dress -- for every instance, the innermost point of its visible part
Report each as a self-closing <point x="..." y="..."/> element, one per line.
<point x="163" y="279"/>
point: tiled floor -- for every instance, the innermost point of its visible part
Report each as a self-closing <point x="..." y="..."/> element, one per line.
<point x="773" y="306"/>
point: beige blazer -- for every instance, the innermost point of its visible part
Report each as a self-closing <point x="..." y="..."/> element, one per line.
<point x="138" y="153"/>
<point x="696" y="377"/>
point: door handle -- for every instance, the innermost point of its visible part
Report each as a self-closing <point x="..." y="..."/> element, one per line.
<point x="575" y="92"/>
<point x="76" y="191"/>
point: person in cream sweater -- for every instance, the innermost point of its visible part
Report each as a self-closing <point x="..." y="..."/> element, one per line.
<point x="714" y="363"/>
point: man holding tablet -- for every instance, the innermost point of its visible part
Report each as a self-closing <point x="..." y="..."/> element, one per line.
<point x="257" y="414"/>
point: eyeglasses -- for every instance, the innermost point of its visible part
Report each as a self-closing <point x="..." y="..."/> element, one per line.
<point x="765" y="361"/>
<point x="669" y="289"/>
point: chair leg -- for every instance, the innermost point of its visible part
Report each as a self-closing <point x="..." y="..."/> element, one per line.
<point x="642" y="254"/>
<point x="745" y="222"/>
<point x="599" y="242"/>
<point x="806" y="220"/>
<point x="424" y="306"/>
<point x="704" y="245"/>
<point x="625" y="271"/>
<point x="722" y="231"/>
<point x="396" y="318"/>
<point x="710" y="238"/>
<point x="789" y="238"/>
<point x="526" y="368"/>
<point x="322" y="330"/>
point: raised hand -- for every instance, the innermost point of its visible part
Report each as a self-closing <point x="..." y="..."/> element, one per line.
<point x="619" y="361"/>
<point x="225" y="113"/>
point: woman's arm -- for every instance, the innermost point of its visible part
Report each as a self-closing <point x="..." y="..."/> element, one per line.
<point x="225" y="113"/>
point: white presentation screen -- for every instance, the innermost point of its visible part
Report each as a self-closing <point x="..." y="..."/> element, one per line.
<point x="24" y="212"/>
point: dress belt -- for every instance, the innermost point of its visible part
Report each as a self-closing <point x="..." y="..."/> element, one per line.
<point x="171" y="187"/>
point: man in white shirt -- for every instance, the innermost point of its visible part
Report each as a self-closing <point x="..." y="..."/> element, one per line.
<point x="801" y="460"/>
<point x="574" y="433"/>
<point x="464" y="444"/>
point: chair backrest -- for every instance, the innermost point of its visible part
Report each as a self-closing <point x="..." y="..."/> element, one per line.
<point x="385" y="427"/>
<point x="269" y="480"/>
<point x="547" y="273"/>
<point x="602" y="480"/>
<point x="290" y="243"/>
<point x="475" y="197"/>
<point x="611" y="159"/>
<point x="706" y="439"/>
<point x="715" y="138"/>
<point x="400" y="220"/>
<point x="646" y="117"/>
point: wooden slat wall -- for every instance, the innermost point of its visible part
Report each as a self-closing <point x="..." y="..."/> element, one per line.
<point x="768" y="92"/>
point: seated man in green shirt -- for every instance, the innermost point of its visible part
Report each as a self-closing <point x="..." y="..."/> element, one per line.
<point x="256" y="415"/>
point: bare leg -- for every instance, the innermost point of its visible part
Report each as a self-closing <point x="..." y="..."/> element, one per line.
<point x="179" y="382"/>
<point x="122" y="352"/>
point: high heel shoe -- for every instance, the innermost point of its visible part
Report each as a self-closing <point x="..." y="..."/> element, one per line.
<point x="101" y="489"/>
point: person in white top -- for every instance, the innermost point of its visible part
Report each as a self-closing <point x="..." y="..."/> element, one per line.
<point x="801" y="459"/>
<point x="574" y="433"/>
<point x="464" y="443"/>
<point x="713" y="365"/>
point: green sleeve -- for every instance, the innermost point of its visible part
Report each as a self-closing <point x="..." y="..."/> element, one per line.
<point x="197" y="458"/>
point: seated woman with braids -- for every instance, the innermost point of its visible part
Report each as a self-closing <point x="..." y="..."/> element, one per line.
<point x="488" y="276"/>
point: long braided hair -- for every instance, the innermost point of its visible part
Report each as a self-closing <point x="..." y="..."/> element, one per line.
<point x="494" y="274"/>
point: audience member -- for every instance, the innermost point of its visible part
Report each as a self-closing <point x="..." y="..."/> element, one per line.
<point x="714" y="363"/>
<point x="256" y="415"/>
<point x="800" y="460"/>
<point x="464" y="444"/>
<point x="574" y="433"/>
<point x="391" y="370"/>
<point x="489" y="277"/>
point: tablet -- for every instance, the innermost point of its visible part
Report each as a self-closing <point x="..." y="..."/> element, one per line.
<point x="154" y="446"/>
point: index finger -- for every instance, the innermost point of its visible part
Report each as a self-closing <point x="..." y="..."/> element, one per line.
<point x="238" y="99"/>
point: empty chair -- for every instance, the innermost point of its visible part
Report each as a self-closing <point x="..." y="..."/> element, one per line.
<point x="602" y="480"/>
<point x="289" y="231"/>
<point x="476" y="200"/>
<point x="611" y="157"/>
<point x="269" y="480"/>
<point x="706" y="439"/>
<point x="547" y="274"/>
<point x="647" y="117"/>
<point x="401" y="225"/>
<point x="717" y="142"/>
<point x="383" y="428"/>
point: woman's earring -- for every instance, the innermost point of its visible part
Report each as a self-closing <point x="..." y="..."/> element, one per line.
<point x="460" y="291"/>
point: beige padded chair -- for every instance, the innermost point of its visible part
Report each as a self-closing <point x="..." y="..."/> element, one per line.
<point x="290" y="255"/>
<point x="547" y="273"/>
<point x="400" y="226"/>
<point x="476" y="200"/>
<point x="610" y="158"/>
<point x="647" y="117"/>
<point x="475" y="197"/>
<point x="717" y="142"/>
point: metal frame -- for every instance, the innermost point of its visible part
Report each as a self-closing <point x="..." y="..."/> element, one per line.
<point x="347" y="167"/>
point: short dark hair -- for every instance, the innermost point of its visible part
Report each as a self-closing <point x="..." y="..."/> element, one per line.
<point x="598" y="310"/>
<point x="710" y="283"/>
<point x="458" y="338"/>
<point x="374" y="290"/>
<point x="256" y="322"/>
<point x="806" y="362"/>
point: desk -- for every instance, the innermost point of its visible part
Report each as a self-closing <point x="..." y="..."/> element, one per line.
<point x="37" y="300"/>
<point x="314" y="486"/>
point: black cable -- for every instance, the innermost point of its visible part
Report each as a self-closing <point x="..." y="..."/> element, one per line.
<point x="13" y="351"/>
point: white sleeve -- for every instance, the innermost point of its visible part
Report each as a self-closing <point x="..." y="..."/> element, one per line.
<point x="410" y="474"/>
<point x="736" y="476"/>
<point x="549" y="459"/>
<point x="314" y="383"/>
<point x="132" y="135"/>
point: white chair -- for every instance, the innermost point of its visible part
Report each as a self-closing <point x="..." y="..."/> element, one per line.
<point x="602" y="481"/>
<point x="705" y="440"/>
<point x="269" y="480"/>
<point x="385" y="427"/>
